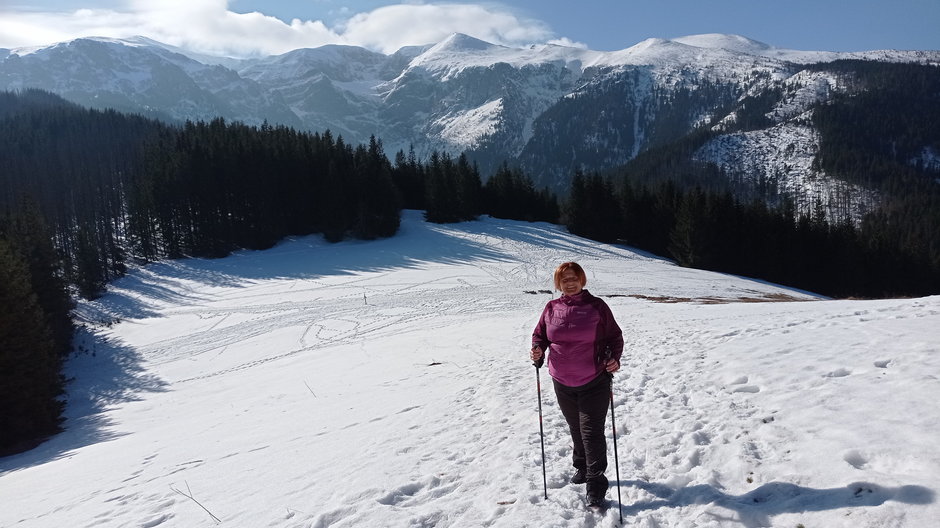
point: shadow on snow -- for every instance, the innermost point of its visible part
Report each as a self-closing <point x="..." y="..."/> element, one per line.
<point x="102" y="373"/>
<point x="310" y="257"/>
<point x="755" y="508"/>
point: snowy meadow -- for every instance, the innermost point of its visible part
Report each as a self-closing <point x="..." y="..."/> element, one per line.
<point x="387" y="383"/>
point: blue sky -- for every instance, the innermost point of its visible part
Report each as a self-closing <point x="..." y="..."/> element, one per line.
<point x="253" y="27"/>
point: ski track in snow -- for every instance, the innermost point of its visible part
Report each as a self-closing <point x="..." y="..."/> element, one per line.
<point x="400" y="395"/>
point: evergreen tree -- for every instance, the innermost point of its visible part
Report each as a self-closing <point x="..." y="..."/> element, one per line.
<point x="689" y="237"/>
<point x="441" y="190"/>
<point x="409" y="177"/>
<point x="29" y="363"/>
<point x="378" y="201"/>
<point x="31" y="240"/>
<point x="510" y="194"/>
<point x="89" y="273"/>
<point x="593" y="209"/>
<point x="469" y="189"/>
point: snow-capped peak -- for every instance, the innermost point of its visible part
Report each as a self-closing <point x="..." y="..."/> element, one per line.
<point x="130" y="42"/>
<point x="735" y="43"/>
<point x="458" y="43"/>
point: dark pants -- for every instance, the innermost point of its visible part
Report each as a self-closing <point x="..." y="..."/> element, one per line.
<point x="585" y="410"/>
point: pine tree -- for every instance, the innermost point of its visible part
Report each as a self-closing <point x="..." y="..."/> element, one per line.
<point x="469" y="189"/>
<point x="30" y="381"/>
<point x="593" y="208"/>
<point x="687" y="237"/>
<point x="89" y="272"/>
<point x="377" y="199"/>
<point x="30" y="238"/>
<point x="440" y="190"/>
<point x="510" y="194"/>
<point x="408" y="176"/>
<point x="576" y="211"/>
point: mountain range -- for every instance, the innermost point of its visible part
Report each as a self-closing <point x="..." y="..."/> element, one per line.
<point x="549" y="109"/>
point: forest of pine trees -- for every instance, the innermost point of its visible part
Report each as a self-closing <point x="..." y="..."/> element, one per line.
<point x="35" y="331"/>
<point x="87" y="193"/>
<point x="714" y="230"/>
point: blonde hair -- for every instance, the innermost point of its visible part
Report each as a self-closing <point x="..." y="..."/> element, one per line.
<point x="573" y="266"/>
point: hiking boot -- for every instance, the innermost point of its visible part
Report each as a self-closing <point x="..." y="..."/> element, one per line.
<point x="596" y="503"/>
<point x="596" y="489"/>
<point x="579" y="477"/>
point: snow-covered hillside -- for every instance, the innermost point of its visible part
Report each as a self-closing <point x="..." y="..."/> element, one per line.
<point x="387" y="383"/>
<point x="783" y="156"/>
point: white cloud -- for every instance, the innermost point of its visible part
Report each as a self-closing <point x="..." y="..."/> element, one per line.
<point x="391" y="27"/>
<point x="208" y="26"/>
<point x="568" y="43"/>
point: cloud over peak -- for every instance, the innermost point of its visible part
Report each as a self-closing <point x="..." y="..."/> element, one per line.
<point x="209" y="26"/>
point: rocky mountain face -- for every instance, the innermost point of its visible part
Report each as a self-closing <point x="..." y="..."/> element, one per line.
<point x="550" y="109"/>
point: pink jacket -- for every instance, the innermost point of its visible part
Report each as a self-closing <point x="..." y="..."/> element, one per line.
<point x="576" y="332"/>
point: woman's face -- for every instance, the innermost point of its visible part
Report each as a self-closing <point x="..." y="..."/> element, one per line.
<point x="570" y="283"/>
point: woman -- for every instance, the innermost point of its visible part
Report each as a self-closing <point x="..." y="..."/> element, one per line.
<point x="584" y="344"/>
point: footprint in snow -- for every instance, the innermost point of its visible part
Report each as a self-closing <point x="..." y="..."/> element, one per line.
<point x="742" y="380"/>
<point x="156" y="521"/>
<point x="414" y="493"/>
<point x="855" y="458"/>
<point x="883" y="363"/>
<point x="838" y="373"/>
<point x="400" y="494"/>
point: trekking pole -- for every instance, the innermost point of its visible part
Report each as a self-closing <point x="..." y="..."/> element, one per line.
<point x="613" y="426"/>
<point x="538" y="384"/>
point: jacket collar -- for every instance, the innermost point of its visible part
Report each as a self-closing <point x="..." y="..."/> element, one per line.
<point x="583" y="297"/>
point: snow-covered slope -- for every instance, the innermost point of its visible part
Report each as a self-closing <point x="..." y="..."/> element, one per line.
<point x="387" y="384"/>
<point x="740" y="44"/>
<point x="782" y="156"/>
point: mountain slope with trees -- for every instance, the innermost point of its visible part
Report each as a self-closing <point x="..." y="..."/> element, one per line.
<point x="89" y="193"/>
<point x="549" y="110"/>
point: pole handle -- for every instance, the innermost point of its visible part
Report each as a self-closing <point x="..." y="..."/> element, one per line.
<point x="537" y="363"/>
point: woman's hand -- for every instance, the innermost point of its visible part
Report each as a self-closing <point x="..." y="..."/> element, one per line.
<point x="536" y="353"/>
<point x="612" y="365"/>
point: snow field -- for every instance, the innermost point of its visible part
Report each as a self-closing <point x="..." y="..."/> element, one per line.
<point x="387" y="384"/>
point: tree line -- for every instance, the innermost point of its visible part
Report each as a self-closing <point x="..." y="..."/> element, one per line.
<point x="716" y="230"/>
<point x="118" y="189"/>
